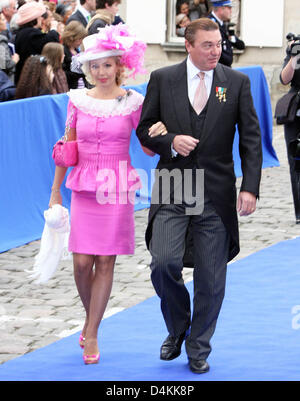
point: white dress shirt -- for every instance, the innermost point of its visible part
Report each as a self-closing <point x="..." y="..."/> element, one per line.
<point x="84" y="12"/>
<point x="192" y="84"/>
<point x="193" y="79"/>
<point x="218" y="19"/>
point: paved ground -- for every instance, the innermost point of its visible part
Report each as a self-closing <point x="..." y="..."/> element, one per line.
<point x="32" y="316"/>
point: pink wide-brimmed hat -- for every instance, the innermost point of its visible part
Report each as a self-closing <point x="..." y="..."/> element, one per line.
<point x="30" y="11"/>
<point x="114" y="40"/>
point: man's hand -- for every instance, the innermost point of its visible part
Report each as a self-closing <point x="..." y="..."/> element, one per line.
<point x="184" y="144"/>
<point x="246" y="203"/>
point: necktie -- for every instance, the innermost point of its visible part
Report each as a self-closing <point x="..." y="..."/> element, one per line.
<point x="200" y="98"/>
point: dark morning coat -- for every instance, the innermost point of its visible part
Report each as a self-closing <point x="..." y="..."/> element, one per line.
<point x="167" y="101"/>
<point x="79" y="17"/>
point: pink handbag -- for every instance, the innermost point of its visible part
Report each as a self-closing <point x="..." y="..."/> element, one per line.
<point x="65" y="153"/>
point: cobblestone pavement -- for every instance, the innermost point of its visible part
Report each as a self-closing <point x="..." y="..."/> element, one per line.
<point x="33" y="316"/>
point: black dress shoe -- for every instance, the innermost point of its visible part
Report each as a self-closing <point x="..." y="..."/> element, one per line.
<point x="198" y="366"/>
<point x="171" y="347"/>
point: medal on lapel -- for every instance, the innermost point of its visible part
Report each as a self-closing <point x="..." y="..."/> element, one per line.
<point x="221" y="93"/>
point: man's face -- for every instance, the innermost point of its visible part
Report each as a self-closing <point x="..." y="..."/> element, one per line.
<point x="10" y="10"/>
<point x="91" y="5"/>
<point x="113" y="9"/>
<point x="206" y="50"/>
<point x="225" y="13"/>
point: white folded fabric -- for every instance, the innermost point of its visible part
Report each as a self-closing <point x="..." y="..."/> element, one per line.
<point x="54" y="244"/>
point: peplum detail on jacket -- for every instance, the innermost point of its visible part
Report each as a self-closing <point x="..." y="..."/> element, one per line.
<point x="111" y="174"/>
<point x="103" y="130"/>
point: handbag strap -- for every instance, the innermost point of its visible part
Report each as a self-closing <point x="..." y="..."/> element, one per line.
<point x="70" y="120"/>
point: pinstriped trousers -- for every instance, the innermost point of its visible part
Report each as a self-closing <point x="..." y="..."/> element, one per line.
<point x="211" y="247"/>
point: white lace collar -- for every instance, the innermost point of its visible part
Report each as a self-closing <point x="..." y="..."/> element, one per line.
<point x="123" y="105"/>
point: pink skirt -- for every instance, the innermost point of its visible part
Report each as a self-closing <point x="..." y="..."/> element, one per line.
<point x="101" y="229"/>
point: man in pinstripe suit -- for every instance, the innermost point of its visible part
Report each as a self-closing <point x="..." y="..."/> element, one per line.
<point x="199" y="141"/>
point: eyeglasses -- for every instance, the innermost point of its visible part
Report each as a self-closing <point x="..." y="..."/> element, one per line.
<point x="15" y="7"/>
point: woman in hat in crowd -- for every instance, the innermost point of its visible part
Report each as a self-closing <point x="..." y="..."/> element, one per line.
<point x="29" y="38"/>
<point x="103" y="183"/>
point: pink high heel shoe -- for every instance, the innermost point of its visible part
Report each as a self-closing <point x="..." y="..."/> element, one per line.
<point x="81" y="341"/>
<point x="91" y="359"/>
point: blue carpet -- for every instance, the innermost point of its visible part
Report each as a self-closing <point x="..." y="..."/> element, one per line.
<point x="257" y="336"/>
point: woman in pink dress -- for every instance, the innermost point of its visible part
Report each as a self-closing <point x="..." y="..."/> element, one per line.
<point x="103" y="182"/>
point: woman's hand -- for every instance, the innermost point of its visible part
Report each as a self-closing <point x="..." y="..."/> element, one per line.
<point x="148" y="151"/>
<point x="15" y="57"/>
<point x="55" y="198"/>
<point x="59" y="176"/>
<point x="157" y="129"/>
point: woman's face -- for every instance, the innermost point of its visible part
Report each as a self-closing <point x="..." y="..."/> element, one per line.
<point x="77" y="43"/>
<point x="184" y="9"/>
<point x="39" y="22"/>
<point x="104" y="71"/>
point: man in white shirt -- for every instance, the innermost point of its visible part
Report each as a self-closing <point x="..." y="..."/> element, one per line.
<point x="8" y="9"/>
<point x="199" y="101"/>
<point x="84" y="12"/>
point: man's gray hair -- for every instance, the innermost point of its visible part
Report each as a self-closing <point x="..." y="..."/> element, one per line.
<point x="4" y="4"/>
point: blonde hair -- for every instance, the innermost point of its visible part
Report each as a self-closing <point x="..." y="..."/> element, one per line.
<point x="73" y="31"/>
<point x="120" y="76"/>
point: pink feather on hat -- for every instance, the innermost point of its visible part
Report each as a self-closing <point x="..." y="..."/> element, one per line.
<point x="115" y="40"/>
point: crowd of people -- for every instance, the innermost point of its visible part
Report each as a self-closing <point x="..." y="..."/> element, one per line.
<point x="26" y="27"/>
<point x="51" y="29"/>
